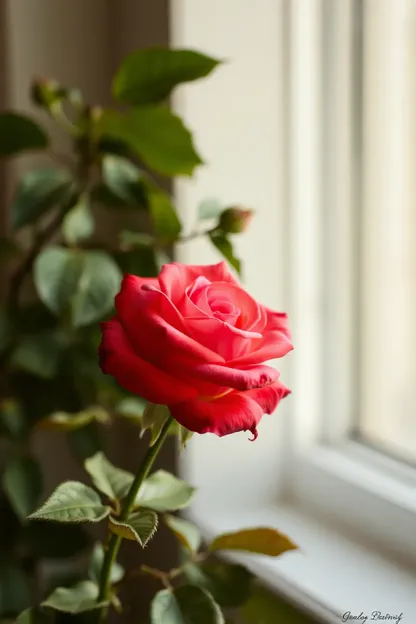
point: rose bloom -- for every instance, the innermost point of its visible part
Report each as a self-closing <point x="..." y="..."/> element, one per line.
<point x="193" y="339"/>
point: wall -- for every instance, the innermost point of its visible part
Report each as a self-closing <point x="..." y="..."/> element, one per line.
<point x="238" y="117"/>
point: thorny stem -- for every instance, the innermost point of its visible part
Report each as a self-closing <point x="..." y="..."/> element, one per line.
<point x="115" y="540"/>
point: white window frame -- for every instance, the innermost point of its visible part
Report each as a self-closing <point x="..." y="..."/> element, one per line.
<point x="359" y="544"/>
<point x="326" y="189"/>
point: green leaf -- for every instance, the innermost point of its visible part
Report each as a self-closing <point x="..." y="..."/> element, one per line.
<point x="262" y="540"/>
<point x="40" y="354"/>
<point x="185" y="605"/>
<point x="165" y="609"/>
<point x="82" y="597"/>
<point x="111" y="481"/>
<point x="83" y="282"/>
<point x="140" y="526"/>
<point x="186" y="533"/>
<point x="57" y="273"/>
<point x="225" y="247"/>
<point x="148" y="76"/>
<point x="64" y="421"/>
<point x="38" y="191"/>
<point x="154" y="417"/>
<point x="229" y="584"/>
<point x="32" y="616"/>
<point x="72" y="502"/>
<point x="23" y="483"/>
<point x="100" y="282"/>
<point x="124" y="180"/>
<point x="209" y="208"/>
<point x="132" y="408"/>
<point x="164" y="492"/>
<point x="19" y="133"/>
<point x="15" y="592"/>
<point x="79" y="222"/>
<point x="97" y="560"/>
<point x="156" y="135"/>
<point x="51" y="540"/>
<point x="264" y="607"/>
<point x="163" y="214"/>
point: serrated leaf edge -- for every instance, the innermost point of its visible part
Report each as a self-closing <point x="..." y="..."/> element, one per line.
<point x="36" y="515"/>
<point x="113" y="521"/>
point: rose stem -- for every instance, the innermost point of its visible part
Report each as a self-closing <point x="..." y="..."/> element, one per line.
<point x="115" y="540"/>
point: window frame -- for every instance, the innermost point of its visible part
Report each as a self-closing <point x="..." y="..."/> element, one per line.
<point x="325" y="456"/>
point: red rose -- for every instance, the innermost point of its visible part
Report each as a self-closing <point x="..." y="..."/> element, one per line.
<point x="194" y="340"/>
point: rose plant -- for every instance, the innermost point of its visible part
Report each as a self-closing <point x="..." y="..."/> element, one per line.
<point x="193" y="343"/>
<point x="186" y="346"/>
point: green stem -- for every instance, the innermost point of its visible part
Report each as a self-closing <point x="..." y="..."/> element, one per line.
<point x="115" y="540"/>
<point x="194" y="235"/>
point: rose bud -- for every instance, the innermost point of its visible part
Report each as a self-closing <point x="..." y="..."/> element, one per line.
<point x="193" y="339"/>
<point x="45" y="92"/>
<point x="235" y="220"/>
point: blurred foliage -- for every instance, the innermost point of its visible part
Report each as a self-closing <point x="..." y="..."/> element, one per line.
<point x="61" y="275"/>
<point x="265" y="607"/>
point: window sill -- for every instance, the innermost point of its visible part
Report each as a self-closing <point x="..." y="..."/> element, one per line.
<point x="330" y="575"/>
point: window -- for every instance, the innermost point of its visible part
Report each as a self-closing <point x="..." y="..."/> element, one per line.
<point x="314" y="125"/>
<point x="387" y="410"/>
<point x="355" y="271"/>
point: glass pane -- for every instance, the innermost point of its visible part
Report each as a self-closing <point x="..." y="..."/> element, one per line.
<point x="387" y="391"/>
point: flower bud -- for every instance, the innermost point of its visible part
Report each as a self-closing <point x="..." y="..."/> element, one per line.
<point x="235" y="220"/>
<point x="45" y="92"/>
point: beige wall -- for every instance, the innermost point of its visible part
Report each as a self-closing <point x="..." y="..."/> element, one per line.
<point x="77" y="41"/>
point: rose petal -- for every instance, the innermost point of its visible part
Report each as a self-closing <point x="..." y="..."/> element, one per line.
<point x="275" y="342"/>
<point x="131" y="303"/>
<point x="253" y="377"/>
<point x="155" y="327"/>
<point x="230" y="342"/>
<point x="237" y="411"/>
<point x="175" y="277"/>
<point x="277" y="321"/>
<point x="118" y="359"/>
<point x="195" y="302"/>
<point x="229" y="414"/>
<point x="270" y="396"/>
<point x="251" y="315"/>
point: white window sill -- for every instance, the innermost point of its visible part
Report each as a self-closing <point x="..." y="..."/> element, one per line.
<point x="330" y="575"/>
